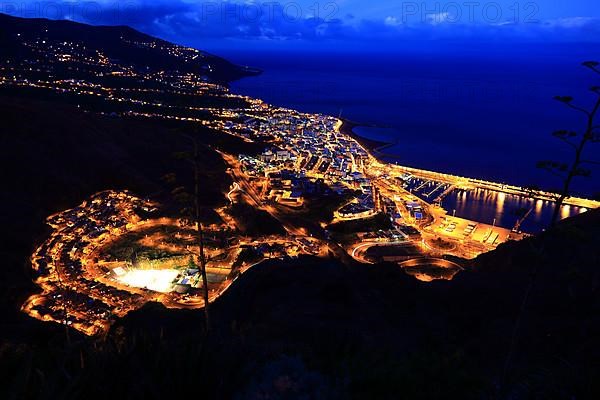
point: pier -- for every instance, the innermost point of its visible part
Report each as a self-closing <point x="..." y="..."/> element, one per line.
<point x="459" y="182"/>
<point x="438" y="187"/>
<point x="446" y="192"/>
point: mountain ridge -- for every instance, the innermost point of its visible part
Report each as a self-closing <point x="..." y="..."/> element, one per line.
<point x="114" y="40"/>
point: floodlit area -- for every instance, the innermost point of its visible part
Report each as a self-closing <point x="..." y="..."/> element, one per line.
<point x="156" y="280"/>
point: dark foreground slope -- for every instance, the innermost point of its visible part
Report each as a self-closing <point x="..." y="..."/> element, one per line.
<point x="317" y="329"/>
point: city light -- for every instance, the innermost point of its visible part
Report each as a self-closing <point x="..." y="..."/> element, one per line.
<point x="155" y="280"/>
<point x="116" y="252"/>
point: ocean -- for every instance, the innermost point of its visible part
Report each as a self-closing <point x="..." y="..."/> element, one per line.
<point x="482" y="111"/>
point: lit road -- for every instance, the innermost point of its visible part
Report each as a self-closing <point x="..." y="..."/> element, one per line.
<point x="235" y="188"/>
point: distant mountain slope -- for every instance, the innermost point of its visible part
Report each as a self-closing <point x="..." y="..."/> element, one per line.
<point x="124" y="44"/>
<point x="117" y="71"/>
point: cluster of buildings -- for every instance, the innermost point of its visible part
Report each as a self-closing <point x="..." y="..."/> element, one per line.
<point x="85" y="286"/>
<point x="314" y="143"/>
<point x="73" y="296"/>
<point x="307" y="155"/>
<point x="88" y="278"/>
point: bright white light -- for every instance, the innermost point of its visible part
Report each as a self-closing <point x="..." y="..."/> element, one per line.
<point x="155" y="280"/>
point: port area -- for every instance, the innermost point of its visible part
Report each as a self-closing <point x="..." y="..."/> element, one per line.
<point x="461" y="229"/>
<point x="465" y="238"/>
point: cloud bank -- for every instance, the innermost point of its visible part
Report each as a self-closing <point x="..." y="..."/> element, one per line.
<point x="187" y="21"/>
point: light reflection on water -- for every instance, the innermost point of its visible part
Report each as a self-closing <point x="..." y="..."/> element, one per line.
<point x="493" y="207"/>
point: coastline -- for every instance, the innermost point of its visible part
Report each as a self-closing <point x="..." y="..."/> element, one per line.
<point x="375" y="147"/>
<point x="382" y="149"/>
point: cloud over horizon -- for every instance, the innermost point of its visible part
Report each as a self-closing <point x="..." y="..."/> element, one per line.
<point x="190" y="22"/>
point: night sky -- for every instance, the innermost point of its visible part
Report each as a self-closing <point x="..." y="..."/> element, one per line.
<point x="328" y="25"/>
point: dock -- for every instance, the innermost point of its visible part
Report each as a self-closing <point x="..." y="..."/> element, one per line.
<point x="465" y="183"/>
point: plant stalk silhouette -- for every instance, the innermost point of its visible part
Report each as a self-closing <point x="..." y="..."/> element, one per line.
<point x="591" y="135"/>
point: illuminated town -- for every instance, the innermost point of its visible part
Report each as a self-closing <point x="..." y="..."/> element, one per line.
<point x="116" y="252"/>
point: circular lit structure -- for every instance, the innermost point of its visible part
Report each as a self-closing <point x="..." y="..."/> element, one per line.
<point x="428" y="269"/>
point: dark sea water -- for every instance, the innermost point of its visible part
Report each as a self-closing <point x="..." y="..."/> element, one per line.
<point x="483" y="111"/>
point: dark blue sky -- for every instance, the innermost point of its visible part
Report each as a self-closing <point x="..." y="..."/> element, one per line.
<point x="325" y="24"/>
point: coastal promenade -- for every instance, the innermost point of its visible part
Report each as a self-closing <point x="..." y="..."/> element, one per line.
<point x="465" y="183"/>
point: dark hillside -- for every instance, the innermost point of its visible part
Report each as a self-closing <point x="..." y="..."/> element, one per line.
<point x="314" y="328"/>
